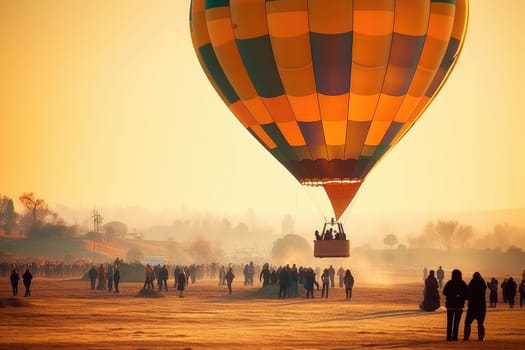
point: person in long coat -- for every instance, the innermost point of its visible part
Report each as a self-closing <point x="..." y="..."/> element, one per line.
<point x="181" y="282"/>
<point x="430" y="294"/>
<point x="455" y="292"/>
<point x="509" y="289"/>
<point x="14" y="278"/>
<point x="101" y="278"/>
<point x="27" y="278"/>
<point x="349" y="284"/>
<point x="477" y="306"/>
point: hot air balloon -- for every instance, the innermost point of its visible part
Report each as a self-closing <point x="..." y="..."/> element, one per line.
<point x="328" y="87"/>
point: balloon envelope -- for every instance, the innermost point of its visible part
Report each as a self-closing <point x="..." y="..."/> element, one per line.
<point x="328" y="87"/>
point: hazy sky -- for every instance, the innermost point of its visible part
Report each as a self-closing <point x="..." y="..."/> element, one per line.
<point x="103" y="103"/>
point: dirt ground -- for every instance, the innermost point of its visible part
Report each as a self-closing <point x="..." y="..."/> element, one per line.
<point x="66" y="314"/>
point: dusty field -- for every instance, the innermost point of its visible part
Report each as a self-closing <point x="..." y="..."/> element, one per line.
<point x="65" y="314"/>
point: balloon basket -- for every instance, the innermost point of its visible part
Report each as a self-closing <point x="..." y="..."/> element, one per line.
<point x="335" y="248"/>
<point x="332" y="242"/>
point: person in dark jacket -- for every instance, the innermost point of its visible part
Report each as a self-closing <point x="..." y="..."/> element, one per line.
<point x="92" y="273"/>
<point x="309" y="278"/>
<point x="229" y="279"/>
<point x="349" y="284"/>
<point x="455" y="292"/>
<point x="163" y="278"/>
<point x="181" y="282"/>
<point x="14" y="278"/>
<point x="430" y="294"/>
<point x="477" y="306"/>
<point x="509" y="289"/>
<point x="284" y="281"/>
<point x="265" y="275"/>
<point x="27" y="277"/>
<point x="493" y="287"/>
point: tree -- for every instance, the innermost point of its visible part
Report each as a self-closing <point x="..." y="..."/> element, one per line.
<point x="8" y="216"/>
<point x="36" y="207"/>
<point x="291" y="248"/>
<point x="390" y="240"/>
<point x="446" y="231"/>
<point x="115" y="229"/>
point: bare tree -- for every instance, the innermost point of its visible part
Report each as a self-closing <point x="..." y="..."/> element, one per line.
<point x="446" y="231"/>
<point x="37" y="208"/>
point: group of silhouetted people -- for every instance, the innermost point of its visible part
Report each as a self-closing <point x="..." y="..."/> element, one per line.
<point x="457" y="292"/>
<point x="289" y="278"/>
<point x="329" y="234"/>
<point x="27" y="277"/>
<point x="107" y="277"/>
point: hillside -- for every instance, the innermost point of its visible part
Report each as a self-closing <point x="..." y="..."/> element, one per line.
<point x="81" y="249"/>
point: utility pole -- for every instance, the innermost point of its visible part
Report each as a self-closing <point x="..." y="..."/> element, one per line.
<point x="97" y="224"/>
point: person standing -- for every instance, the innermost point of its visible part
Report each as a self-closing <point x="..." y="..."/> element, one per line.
<point x="229" y="279"/>
<point x="349" y="284"/>
<point x="163" y="278"/>
<point x="93" y="277"/>
<point x="477" y="306"/>
<point x="493" y="287"/>
<point x="181" y="282"/>
<point x="521" y="290"/>
<point x="430" y="294"/>
<point x="509" y="290"/>
<point x="14" y="278"/>
<point x="284" y="280"/>
<point x="331" y="272"/>
<point x="294" y="282"/>
<point x="101" y="278"/>
<point x="325" y="278"/>
<point x="149" y="277"/>
<point x="455" y="292"/>
<point x="265" y="275"/>
<point x="27" y="277"/>
<point x="341" y="276"/>
<point x="116" y="277"/>
<point x="222" y="275"/>
<point x="110" y="275"/>
<point x="440" y="274"/>
<point x="309" y="277"/>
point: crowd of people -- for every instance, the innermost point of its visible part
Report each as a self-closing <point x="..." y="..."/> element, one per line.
<point x="289" y="279"/>
<point x="46" y="269"/>
<point x="457" y="292"/>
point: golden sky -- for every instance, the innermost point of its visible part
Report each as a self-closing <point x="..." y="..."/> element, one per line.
<point x="103" y="103"/>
